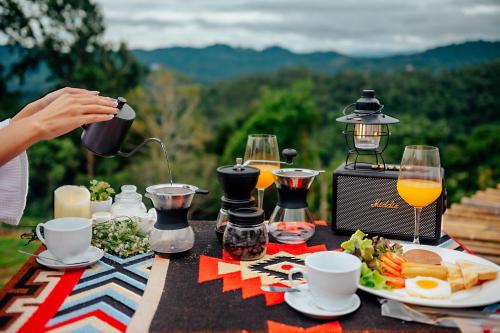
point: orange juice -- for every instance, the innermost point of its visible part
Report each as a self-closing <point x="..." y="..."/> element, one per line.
<point x="266" y="177"/>
<point x="419" y="193"/>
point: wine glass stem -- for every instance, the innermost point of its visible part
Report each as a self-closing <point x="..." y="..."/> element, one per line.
<point x="260" y="198"/>
<point x="418" y="212"/>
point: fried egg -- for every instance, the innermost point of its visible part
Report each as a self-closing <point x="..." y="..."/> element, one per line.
<point x="428" y="287"/>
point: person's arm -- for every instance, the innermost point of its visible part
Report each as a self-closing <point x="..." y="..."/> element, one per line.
<point x="16" y="138"/>
<point x="67" y="112"/>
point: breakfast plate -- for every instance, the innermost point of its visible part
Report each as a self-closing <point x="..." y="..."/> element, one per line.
<point x="480" y="295"/>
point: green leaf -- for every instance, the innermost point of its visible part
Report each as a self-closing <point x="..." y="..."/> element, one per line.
<point x="371" y="278"/>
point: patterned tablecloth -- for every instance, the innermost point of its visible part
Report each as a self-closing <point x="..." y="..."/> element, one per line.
<point x="203" y="291"/>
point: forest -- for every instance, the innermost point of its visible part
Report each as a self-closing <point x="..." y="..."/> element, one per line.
<point x="205" y="125"/>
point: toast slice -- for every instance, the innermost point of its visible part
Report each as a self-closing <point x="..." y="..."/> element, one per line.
<point x="484" y="273"/>
<point x="469" y="273"/>
<point x="455" y="278"/>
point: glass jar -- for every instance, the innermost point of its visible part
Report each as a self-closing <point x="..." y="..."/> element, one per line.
<point x="128" y="203"/>
<point x="223" y="217"/>
<point x="221" y="223"/>
<point x="245" y="236"/>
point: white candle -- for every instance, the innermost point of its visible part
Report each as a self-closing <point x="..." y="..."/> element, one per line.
<point x="71" y="201"/>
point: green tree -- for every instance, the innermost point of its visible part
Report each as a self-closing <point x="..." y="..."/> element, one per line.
<point x="290" y="114"/>
<point x="168" y="107"/>
<point x="65" y="38"/>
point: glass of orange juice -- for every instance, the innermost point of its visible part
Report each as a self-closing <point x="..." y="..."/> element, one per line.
<point x="420" y="181"/>
<point x="262" y="152"/>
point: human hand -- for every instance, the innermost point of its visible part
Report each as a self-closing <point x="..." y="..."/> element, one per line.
<point x="43" y="102"/>
<point x="70" y="111"/>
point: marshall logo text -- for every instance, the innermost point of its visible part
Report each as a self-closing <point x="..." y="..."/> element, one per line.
<point x="378" y="203"/>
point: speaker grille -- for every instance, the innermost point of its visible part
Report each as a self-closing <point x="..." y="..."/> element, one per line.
<point x="355" y="196"/>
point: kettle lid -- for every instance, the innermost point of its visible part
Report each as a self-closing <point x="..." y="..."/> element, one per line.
<point x="126" y="112"/>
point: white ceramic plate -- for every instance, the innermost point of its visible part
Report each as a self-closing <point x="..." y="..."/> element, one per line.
<point x="302" y="301"/>
<point x="484" y="294"/>
<point x="90" y="257"/>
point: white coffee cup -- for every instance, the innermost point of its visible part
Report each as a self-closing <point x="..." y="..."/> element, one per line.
<point x="67" y="237"/>
<point x="332" y="278"/>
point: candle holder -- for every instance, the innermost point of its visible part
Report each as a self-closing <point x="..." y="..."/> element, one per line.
<point x="366" y="132"/>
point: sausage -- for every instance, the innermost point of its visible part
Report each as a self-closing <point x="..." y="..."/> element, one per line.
<point x="423" y="257"/>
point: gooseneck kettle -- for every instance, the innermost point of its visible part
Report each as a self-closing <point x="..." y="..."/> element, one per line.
<point x="105" y="138"/>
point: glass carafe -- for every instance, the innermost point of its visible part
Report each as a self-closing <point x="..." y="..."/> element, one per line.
<point x="291" y="221"/>
<point x="172" y="233"/>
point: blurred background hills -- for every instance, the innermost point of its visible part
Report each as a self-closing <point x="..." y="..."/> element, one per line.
<point x="219" y="62"/>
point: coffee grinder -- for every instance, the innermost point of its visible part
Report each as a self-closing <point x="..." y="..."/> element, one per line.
<point x="238" y="182"/>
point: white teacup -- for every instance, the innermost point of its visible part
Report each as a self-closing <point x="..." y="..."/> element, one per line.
<point x="332" y="278"/>
<point x="67" y="237"/>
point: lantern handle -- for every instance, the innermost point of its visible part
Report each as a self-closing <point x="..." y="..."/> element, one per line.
<point x="379" y="110"/>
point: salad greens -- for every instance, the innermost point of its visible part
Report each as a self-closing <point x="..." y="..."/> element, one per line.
<point x="120" y="236"/>
<point x="369" y="251"/>
<point x="360" y="247"/>
<point x="371" y="278"/>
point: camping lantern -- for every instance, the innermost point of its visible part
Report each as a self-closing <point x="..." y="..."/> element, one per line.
<point x="366" y="132"/>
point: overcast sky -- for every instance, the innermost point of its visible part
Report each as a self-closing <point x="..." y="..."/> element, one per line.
<point x="348" y="26"/>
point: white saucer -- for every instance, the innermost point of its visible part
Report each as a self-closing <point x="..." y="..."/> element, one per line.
<point x="91" y="256"/>
<point x="302" y="301"/>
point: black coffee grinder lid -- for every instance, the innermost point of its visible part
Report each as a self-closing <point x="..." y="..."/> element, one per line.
<point x="238" y="181"/>
<point x="247" y="216"/>
<point x="238" y="170"/>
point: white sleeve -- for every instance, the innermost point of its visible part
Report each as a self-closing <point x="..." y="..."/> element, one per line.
<point x="13" y="186"/>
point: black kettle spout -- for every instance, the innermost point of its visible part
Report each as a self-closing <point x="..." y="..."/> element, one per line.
<point x="139" y="146"/>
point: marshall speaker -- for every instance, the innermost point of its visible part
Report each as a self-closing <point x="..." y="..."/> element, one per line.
<point x="368" y="200"/>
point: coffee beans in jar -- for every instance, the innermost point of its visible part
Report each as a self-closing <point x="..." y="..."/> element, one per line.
<point x="245" y="236"/>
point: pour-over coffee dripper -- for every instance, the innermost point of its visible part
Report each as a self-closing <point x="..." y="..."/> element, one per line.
<point x="172" y="233"/>
<point x="291" y="221"/>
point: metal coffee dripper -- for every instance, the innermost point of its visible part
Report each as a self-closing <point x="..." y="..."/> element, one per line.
<point x="291" y="221"/>
<point x="172" y="233"/>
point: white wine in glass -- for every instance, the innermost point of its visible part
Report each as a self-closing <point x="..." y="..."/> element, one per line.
<point x="420" y="181"/>
<point x="262" y="152"/>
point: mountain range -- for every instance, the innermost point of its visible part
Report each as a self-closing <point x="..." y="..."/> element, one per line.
<point x="219" y="62"/>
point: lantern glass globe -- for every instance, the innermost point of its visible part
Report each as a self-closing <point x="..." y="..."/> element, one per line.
<point x="367" y="137"/>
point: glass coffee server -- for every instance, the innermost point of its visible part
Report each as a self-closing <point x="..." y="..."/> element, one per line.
<point x="291" y="221"/>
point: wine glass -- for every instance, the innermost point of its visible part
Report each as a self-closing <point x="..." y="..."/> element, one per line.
<point x="419" y="182"/>
<point x="263" y="153"/>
